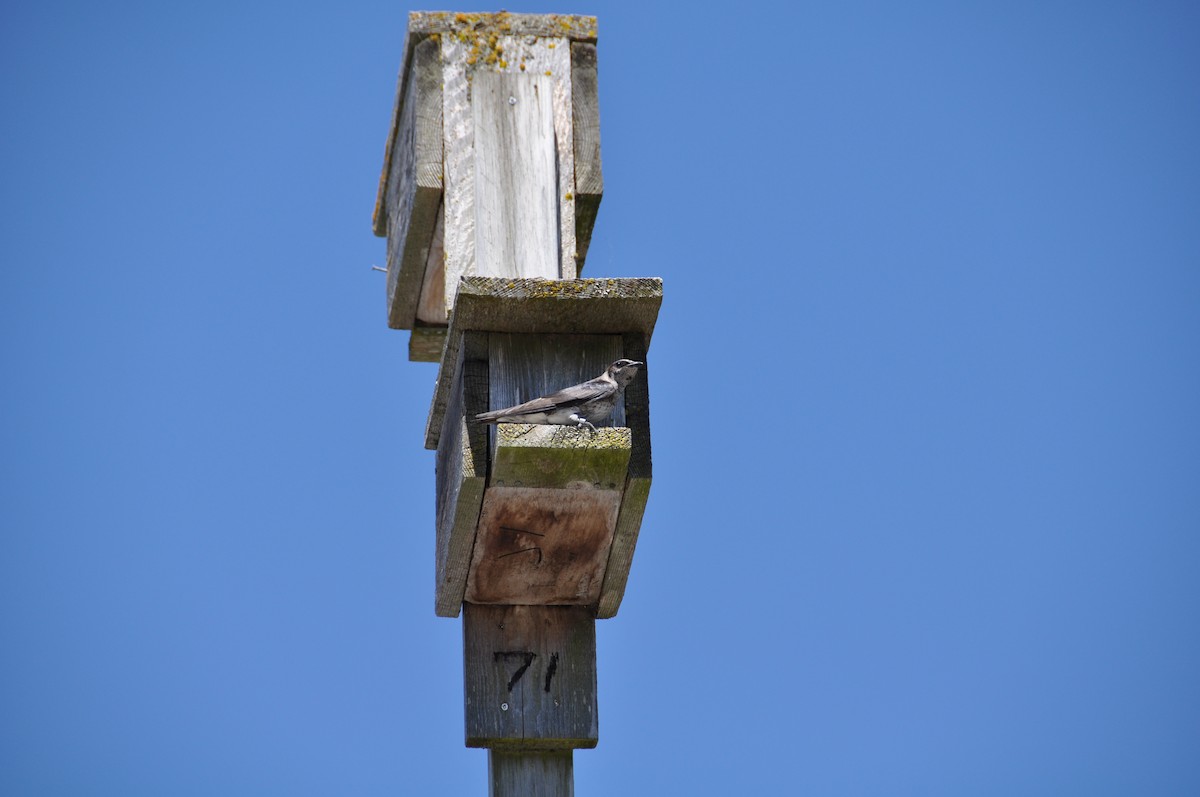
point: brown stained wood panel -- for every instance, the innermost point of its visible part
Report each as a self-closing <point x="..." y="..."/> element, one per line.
<point x="542" y="547"/>
<point x="529" y="677"/>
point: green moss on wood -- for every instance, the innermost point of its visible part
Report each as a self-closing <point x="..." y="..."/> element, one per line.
<point x="528" y="455"/>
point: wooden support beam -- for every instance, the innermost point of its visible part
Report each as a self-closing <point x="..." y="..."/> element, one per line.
<point x="530" y="677"/>
<point x="530" y="773"/>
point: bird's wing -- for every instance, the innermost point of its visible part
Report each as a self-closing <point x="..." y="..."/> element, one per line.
<point x="567" y="397"/>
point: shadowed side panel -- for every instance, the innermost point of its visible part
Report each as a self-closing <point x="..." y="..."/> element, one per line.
<point x="414" y="184"/>
<point x="461" y="476"/>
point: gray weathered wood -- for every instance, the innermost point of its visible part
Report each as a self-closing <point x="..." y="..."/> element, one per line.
<point x="543" y="307"/>
<point x="549" y="58"/>
<point x="414" y="183"/>
<point x="589" y="181"/>
<point x="637" y="486"/>
<point x="516" y="182"/>
<point x="461" y="477"/>
<point x="509" y="201"/>
<point x="555" y="55"/>
<point x="530" y="677"/>
<point x="458" y="240"/>
<point x="431" y="308"/>
<point x="530" y="774"/>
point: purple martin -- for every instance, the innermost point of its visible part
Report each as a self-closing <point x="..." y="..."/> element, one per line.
<point x="584" y="404"/>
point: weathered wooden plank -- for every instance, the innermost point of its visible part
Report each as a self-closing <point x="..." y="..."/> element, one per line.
<point x="458" y="240"/>
<point x="550" y="57"/>
<point x="484" y="25"/>
<point x="508" y="158"/>
<point x="637" y="486"/>
<point x="539" y="546"/>
<point x="414" y="183"/>
<point x="546" y="306"/>
<point x="523" y="773"/>
<point x="543" y="307"/>
<point x="431" y="309"/>
<point x="557" y="62"/>
<point x="516" y="182"/>
<point x="530" y="677"/>
<point x="589" y="181"/>
<point x="461" y="478"/>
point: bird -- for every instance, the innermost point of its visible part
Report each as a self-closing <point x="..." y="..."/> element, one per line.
<point x="579" y="405"/>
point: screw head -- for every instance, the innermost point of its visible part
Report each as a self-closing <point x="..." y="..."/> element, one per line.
<point x="504" y="707"/>
<point x="512" y="100"/>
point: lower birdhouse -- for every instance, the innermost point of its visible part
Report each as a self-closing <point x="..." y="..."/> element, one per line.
<point x="548" y="516"/>
<point x="540" y="515"/>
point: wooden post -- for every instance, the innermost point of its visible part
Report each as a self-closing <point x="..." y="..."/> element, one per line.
<point x="490" y="189"/>
<point x="531" y="774"/>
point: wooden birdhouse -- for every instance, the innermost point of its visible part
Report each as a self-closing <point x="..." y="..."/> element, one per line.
<point x="489" y="192"/>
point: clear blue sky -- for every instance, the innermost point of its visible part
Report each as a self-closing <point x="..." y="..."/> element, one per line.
<point x="925" y="390"/>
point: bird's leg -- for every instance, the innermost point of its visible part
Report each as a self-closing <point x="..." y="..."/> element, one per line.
<point x="580" y="421"/>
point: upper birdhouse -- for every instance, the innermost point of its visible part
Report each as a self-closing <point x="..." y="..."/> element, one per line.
<point x="492" y="165"/>
<point x="490" y="188"/>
